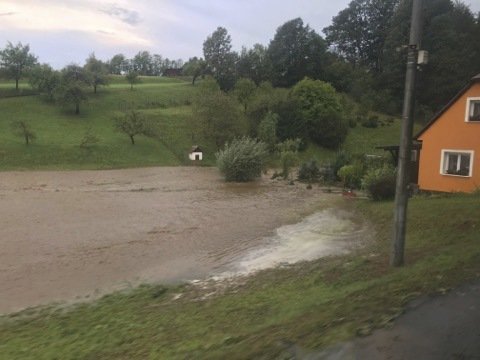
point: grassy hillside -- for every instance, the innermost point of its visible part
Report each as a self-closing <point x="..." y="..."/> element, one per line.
<point x="59" y="131"/>
<point x="165" y="101"/>
<point x="311" y="305"/>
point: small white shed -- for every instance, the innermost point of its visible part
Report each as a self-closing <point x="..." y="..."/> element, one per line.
<point x="195" y="153"/>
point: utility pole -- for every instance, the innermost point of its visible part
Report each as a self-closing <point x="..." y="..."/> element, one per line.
<point x="404" y="153"/>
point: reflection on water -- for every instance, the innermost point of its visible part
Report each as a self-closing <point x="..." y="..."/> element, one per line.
<point x="325" y="233"/>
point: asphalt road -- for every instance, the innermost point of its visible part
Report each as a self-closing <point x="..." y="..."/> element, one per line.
<point x="433" y="328"/>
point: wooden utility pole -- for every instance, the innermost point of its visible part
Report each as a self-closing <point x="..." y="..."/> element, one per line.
<point x="403" y="178"/>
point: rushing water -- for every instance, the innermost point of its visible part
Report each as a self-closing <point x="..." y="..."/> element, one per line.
<point x="327" y="232"/>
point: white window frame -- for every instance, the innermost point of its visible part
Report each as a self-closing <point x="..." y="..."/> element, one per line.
<point x="456" y="151"/>
<point x="467" y="110"/>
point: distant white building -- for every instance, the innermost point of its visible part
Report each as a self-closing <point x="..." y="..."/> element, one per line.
<point x="195" y="153"/>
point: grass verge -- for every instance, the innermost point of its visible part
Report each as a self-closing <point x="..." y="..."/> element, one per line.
<point x="311" y="305"/>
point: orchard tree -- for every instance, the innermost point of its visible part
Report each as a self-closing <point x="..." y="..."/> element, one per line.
<point x="16" y="60"/>
<point x="132" y="78"/>
<point x="96" y="71"/>
<point x="132" y="123"/>
<point x="295" y="52"/>
<point x="195" y="67"/>
<point x="73" y="86"/>
<point x="22" y="128"/>
<point x="220" y="58"/>
<point x="45" y="80"/>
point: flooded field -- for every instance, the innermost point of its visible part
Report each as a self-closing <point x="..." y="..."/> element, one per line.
<point x="74" y="235"/>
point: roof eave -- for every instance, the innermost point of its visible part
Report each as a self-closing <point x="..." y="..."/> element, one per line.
<point x="473" y="80"/>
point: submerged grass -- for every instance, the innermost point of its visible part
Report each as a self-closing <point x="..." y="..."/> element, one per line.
<point x="310" y="305"/>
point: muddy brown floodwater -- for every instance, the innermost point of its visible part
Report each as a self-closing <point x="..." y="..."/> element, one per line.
<point x="77" y="234"/>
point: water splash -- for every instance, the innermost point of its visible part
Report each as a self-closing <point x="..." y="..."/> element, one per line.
<point x="325" y="233"/>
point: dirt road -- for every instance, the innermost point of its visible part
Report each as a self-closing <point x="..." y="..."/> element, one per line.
<point x="67" y="235"/>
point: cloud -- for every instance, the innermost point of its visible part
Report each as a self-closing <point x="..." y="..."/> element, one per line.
<point x="7" y="13"/>
<point x="127" y="16"/>
<point x="69" y="16"/>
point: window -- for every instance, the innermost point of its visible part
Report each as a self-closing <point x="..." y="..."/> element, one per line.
<point x="473" y="109"/>
<point x="457" y="163"/>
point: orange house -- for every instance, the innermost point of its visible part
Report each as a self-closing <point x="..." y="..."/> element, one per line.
<point x="450" y="156"/>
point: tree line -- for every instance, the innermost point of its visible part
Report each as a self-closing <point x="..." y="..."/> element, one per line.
<point x="362" y="55"/>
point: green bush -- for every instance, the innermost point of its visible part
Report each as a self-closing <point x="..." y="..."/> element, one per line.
<point x="372" y="122"/>
<point x="242" y="159"/>
<point x="340" y="159"/>
<point x="379" y="183"/>
<point x="351" y="175"/>
<point x="309" y="171"/>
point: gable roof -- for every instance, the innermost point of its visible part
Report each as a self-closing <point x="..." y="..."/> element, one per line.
<point x="195" y="148"/>
<point x="473" y="80"/>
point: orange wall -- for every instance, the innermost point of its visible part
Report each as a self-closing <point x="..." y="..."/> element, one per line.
<point x="450" y="131"/>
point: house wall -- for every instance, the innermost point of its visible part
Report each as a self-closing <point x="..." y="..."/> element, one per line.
<point x="193" y="155"/>
<point x="450" y="131"/>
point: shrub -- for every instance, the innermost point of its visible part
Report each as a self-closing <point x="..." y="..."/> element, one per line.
<point x="352" y="123"/>
<point x="242" y="159"/>
<point x="288" y="159"/>
<point x="288" y="154"/>
<point x="309" y="171"/>
<point x="341" y="158"/>
<point x="379" y="183"/>
<point x="351" y="175"/>
<point x="371" y="122"/>
<point x="89" y="139"/>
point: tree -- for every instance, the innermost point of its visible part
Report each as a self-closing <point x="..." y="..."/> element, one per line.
<point x="195" y="67"/>
<point x="295" y="52"/>
<point x="133" y="123"/>
<point x="16" y="59"/>
<point x="118" y="64"/>
<point x="358" y="33"/>
<point x="73" y="86"/>
<point x="267" y="130"/>
<point x="220" y="59"/>
<point x="320" y="107"/>
<point x="242" y="160"/>
<point x="96" y="71"/>
<point x="143" y="63"/>
<point x="218" y="115"/>
<point x="254" y="64"/>
<point x="450" y="38"/>
<point x="244" y="91"/>
<point x="22" y="128"/>
<point x="45" y="80"/>
<point x="132" y="78"/>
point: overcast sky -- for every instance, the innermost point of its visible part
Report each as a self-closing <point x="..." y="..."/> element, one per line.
<point x="64" y="31"/>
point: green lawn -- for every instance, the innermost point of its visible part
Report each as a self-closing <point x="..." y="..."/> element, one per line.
<point x="312" y="304"/>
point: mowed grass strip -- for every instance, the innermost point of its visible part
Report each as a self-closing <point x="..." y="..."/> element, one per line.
<point x="311" y="305"/>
